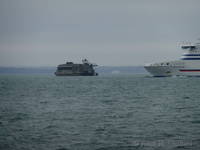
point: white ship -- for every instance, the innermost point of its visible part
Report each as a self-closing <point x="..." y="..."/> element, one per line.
<point x="188" y="65"/>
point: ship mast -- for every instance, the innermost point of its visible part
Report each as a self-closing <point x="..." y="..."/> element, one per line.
<point x="85" y="61"/>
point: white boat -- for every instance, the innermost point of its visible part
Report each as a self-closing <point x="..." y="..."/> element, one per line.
<point x="188" y="65"/>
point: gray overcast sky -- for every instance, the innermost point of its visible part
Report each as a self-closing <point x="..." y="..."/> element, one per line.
<point x="107" y="32"/>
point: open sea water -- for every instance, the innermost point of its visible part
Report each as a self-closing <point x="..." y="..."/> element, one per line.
<point x="108" y="112"/>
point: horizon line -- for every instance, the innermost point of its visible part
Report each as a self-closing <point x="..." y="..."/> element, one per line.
<point x="56" y="66"/>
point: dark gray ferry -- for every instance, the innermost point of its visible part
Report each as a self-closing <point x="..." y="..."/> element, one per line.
<point x="71" y="69"/>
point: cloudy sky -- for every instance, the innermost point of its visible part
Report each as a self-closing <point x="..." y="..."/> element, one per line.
<point x="107" y="32"/>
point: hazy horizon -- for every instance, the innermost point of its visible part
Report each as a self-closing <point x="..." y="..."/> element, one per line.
<point x="61" y="63"/>
<point x="36" y="33"/>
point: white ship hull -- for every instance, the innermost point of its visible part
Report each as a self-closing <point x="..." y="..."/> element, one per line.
<point x="164" y="71"/>
<point x="188" y="65"/>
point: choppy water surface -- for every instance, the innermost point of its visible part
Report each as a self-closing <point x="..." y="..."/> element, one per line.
<point x="45" y="112"/>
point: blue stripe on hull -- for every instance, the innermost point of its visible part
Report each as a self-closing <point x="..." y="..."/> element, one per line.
<point x="191" y="55"/>
<point x="190" y="58"/>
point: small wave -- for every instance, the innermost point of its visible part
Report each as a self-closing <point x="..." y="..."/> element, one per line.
<point x="196" y="121"/>
<point x="62" y="149"/>
<point x="118" y="148"/>
<point x="186" y="97"/>
<point x="18" y="117"/>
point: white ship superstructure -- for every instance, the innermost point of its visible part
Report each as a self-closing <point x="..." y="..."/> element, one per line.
<point x="188" y="65"/>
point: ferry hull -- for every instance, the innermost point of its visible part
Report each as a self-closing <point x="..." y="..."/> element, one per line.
<point x="162" y="71"/>
<point x="75" y="74"/>
<point x="165" y="71"/>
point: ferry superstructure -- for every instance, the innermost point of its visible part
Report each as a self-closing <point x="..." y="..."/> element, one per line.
<point x="188" y="65"/>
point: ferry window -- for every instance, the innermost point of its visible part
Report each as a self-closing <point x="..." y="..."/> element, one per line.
<point x="65" y="68"/>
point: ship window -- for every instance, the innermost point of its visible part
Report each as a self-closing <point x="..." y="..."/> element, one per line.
<point x="64" y="68"/>
<point x="69" y="63"/>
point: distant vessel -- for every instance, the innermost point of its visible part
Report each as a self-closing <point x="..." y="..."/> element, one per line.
<point x="71" y="69"/>
<point x="188" y="65"/>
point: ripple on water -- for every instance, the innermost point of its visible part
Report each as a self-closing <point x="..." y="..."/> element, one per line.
<point x="118" y="112"/>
